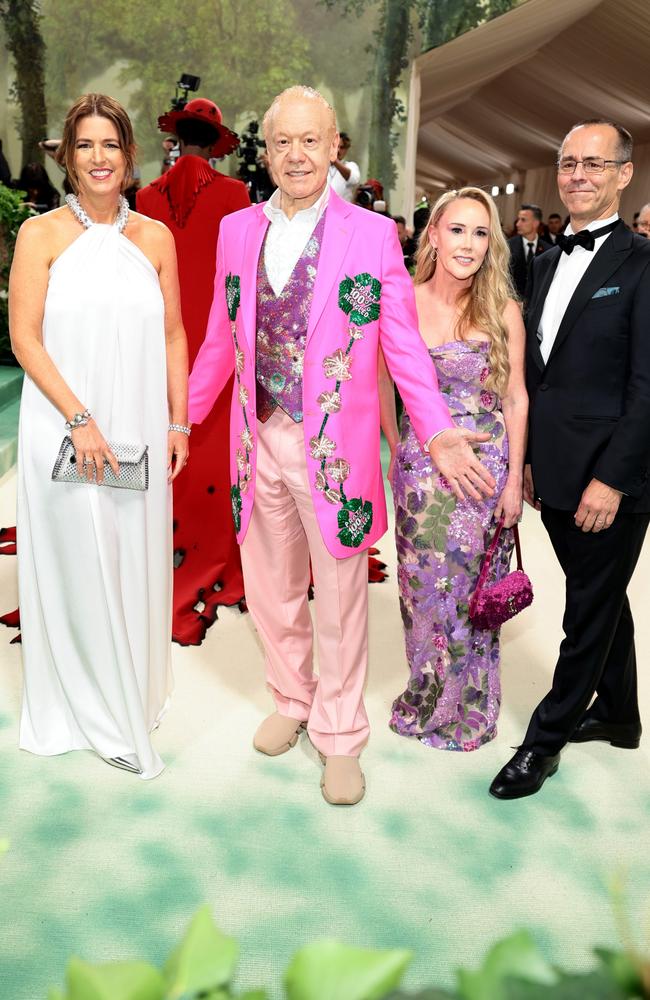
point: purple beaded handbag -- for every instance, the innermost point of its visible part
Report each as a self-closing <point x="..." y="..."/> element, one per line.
<point x="491" y="606"/>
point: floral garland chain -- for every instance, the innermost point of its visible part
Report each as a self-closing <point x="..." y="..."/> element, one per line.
<point x="244" y="472"/>
<point x="359" y="298"/>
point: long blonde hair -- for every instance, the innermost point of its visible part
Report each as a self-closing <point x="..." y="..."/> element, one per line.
<point x="486" y="298"/>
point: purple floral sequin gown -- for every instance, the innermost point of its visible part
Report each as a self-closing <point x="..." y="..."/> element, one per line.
<point x="453" y="695"/>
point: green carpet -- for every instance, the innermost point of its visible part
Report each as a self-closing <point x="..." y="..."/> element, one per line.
<point x="106" y="866"/>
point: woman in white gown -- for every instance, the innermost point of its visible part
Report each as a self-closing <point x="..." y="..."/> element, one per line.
<point x="96" y="324"/>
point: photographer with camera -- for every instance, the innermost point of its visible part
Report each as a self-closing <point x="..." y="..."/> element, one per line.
<point x="192" y="198"/>
<point x="254" y="166"/>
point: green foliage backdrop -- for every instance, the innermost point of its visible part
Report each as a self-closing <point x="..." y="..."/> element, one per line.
<point x="244" y="52"/>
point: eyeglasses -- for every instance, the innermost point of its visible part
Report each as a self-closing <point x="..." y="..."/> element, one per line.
<point x="643" y="227"/>
<point x="592" y="165"/>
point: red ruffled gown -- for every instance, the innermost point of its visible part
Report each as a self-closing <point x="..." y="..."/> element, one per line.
<point x="192" y="199"/>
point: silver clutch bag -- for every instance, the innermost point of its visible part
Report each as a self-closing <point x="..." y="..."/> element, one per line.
<point x="133" y="460"/>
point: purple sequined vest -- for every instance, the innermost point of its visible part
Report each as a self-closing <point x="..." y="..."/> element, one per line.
<point x="282" y="330"/>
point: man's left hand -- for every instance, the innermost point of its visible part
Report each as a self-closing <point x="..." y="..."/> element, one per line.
<point x="451" y="452"/>
<point x="598" y="507"/>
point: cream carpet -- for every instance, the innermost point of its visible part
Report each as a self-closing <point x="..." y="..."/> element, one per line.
<point x="106" y="866"/>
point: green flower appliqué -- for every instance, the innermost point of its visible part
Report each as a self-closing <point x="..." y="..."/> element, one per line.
<point x="355" y="521"/>
<point x="235" y="500"/>
<point x="233" y="295"/>
<point x="359" y="298"/>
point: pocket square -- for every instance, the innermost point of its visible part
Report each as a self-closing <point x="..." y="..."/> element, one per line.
<point x="604" y="292"/>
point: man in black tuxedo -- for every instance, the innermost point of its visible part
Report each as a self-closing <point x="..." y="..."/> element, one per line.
<point x="588" y="375"/>
<point x="525" y="246"/>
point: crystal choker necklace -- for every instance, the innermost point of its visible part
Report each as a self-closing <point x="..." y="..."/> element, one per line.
<point x="120" y="222"/>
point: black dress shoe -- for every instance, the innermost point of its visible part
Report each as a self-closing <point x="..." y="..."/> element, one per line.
<point x="626" y="735"/>
<point x="524" y="774"/>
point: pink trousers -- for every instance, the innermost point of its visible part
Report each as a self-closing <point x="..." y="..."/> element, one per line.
<point x="282" y="535"/>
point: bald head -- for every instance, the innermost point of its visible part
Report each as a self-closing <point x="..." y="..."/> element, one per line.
<point x="302" y="142"/>
<point x="294" y="96"/>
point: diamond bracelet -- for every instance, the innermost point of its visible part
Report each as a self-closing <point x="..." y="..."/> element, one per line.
<point x="181" y="428"/>
<point x="79" y="420"/>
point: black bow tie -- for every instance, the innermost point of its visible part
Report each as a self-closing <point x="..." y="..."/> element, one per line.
<point x="585" y="238"/>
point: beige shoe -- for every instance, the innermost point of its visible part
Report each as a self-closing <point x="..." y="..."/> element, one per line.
<point x="343" y="783"/>
<point x="277" y="734"/>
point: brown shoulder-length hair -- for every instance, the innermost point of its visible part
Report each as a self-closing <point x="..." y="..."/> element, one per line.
<point x="484" y="302"/>
<point x="101" y="106"/>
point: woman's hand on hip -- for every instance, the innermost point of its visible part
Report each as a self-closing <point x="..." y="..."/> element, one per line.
<point x="91" y="451"/>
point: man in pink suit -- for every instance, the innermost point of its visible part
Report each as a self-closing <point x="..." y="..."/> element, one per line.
<point x="308" y="288"/>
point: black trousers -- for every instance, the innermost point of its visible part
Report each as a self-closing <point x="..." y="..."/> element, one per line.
<point x="597" y="655"/>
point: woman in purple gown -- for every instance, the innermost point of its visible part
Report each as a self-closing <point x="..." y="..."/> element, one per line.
<point x="474" y="332"/>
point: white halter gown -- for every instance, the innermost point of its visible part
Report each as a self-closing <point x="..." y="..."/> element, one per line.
<point x="95" y="563"/>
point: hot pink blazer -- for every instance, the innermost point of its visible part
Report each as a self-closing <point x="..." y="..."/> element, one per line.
<point x="363" y="298"/>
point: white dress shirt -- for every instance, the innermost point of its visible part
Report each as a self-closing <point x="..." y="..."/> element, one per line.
<point x="286" y="238"/>
<point x="526" y="241"/>
<point x="345" y="189"/>
<point x="568" y="275"/>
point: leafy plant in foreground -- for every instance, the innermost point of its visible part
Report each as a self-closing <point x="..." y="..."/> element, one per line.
<point x="202" y="967"/>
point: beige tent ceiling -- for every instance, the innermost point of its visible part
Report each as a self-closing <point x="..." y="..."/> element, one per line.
<point x="494" y="103"/>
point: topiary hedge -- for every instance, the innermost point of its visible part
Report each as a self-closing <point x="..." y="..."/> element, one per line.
<point x="13" y="212"/>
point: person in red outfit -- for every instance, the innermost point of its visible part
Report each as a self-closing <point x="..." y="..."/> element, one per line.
<point x="191" y="199"/>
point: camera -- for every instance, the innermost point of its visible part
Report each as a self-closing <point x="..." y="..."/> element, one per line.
<point x="365" y="196"/>
<point x="249" y="144"/>
<point x="254" y="174"/>
<point x="186" y="84"/>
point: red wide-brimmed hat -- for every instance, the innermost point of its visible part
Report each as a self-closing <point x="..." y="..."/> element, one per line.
<point x="206" y="111"/>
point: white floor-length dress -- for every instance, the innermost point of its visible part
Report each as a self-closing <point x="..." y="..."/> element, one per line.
<point x="94" y="562"/>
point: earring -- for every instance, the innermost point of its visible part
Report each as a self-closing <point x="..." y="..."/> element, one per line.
<point x="433" y="253"/>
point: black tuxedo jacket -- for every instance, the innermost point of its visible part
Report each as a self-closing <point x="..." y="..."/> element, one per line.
<point x="518" y="268"/>
<point x="590" y="404"/>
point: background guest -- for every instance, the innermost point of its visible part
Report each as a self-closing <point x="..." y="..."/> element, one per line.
<point x="41" y="194"/>
<point x="643" y="222"/>
<point x="171" y="153"/>
<point x="420" y="221"/>
<point x="192" y="198"/>
<point x="407" y="242"/>
<point x="553" y="227"/>
<point x="344" y="174"/>
<point x="525" y="246"/>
